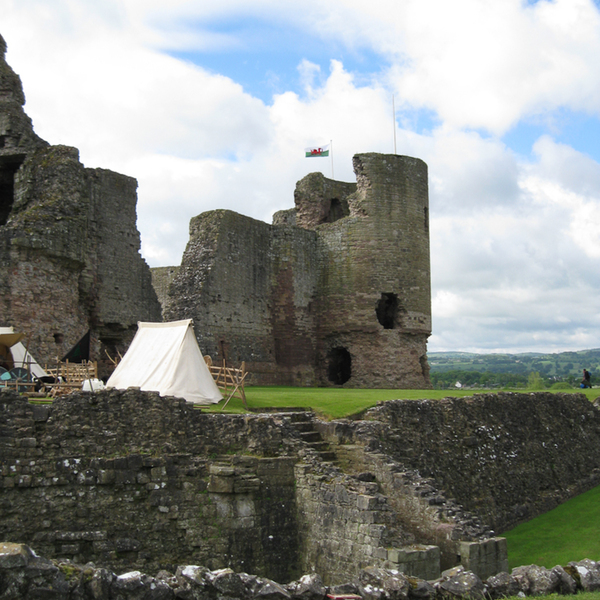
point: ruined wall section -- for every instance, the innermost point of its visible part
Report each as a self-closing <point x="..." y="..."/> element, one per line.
<point x="162" y="277"/>
<point x="374" y="289"/>
<point x="132" y="480"/>
<point x="69" y="247"/>
<point x="124" y="293"/>
<point x="223" y="284"/>
<point x="505" y="457"/>
<point x="248" y="285"/>
<point x="294" y="277"/>
<point x="47" y="239"/>
<point x="336" y="292"/>
<point x="320" y="200"/>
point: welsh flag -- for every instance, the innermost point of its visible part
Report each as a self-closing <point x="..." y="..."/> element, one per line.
<point x="318" y="151"/>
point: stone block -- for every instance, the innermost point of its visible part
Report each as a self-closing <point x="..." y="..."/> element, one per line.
<point x="416" y="561"/>
<point x="366" y="502"/>
<point x="27" y="442"/>
<point x="40" y="413"/>
<point x="246" y="485"/>
<point x="380" y="553"/>
<point x="13" y="556"/>
<point x="221" y="485"/>
<point x="106" y="477"/>
<point x="93" y="536"/>
<point x="158" y="473"/>
<point x="224" y="507"/>
<point x="127" y="545"/>
<point x="244" y="507"/>
<point x="221" y="471"/>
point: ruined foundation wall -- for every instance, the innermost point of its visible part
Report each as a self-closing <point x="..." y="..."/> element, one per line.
<point x="132" y="480"/>
<point x="129" y="480"/>
<point x="347" y="525"/>
<point x="505" y="457"/>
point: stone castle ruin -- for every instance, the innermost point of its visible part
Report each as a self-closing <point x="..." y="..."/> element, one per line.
<point x="69" y="246"/>
<point x="335" y="292"/>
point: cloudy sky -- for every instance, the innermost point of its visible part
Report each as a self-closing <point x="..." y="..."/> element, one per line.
<point x="211" y="104"/>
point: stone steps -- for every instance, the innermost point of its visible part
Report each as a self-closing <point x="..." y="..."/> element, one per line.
<point x="303" y="423"/>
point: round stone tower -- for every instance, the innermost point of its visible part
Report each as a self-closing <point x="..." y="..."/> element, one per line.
<point x="374" y="292"/>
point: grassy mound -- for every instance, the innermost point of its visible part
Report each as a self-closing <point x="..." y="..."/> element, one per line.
<point x="569" y="532"/>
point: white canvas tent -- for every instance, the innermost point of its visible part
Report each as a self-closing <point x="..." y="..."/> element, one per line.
<point x="21" y="357"/>
<point x="165" y="358"/>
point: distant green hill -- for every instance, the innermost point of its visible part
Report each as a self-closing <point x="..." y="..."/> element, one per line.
<point x="512" y="369"/>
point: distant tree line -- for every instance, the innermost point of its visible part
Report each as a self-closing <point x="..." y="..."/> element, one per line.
<point x="448" y="379"/>
<point x="533" y="380"/>
<point x="528" y="370"/>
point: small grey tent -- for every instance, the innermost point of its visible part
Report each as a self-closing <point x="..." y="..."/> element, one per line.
<point x="165" y="358"/>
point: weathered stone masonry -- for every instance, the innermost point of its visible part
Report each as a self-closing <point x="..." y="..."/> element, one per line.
<point x="69" y="247"/>
<point x="131" y="480"/>
<point x="335" y="292"/>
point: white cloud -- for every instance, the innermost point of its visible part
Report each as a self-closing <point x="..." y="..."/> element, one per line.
<point x="514" y="244"/>
<point x="484" y="64"/>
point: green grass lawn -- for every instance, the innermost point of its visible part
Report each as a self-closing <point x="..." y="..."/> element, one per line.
<point x="569" y="532"/>
<point x="334" y="403"/>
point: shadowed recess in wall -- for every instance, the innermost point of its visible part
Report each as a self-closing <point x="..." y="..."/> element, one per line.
<point x="340" y="366"/>
<point x="387" y="311"/>
<point x="8" y="167"/>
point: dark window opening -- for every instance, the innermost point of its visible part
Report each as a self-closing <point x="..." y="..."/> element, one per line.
<point x="426" y="217"/>
<point x="340" y="366"/>
<point x="8" y="168"/>
<point x="387" y="311"/>
<point x="337" y="211"/>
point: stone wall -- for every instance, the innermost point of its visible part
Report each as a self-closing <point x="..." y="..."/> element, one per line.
<point x="24" y="574"/>
<point x="248" y="286"/>
<point x="131" y="480"/>
<point x="127" y="479"/>
<point x="69" y="247"/>
<point x="505" y="458"/>
<point x="335" y="292"/>
<point x="161" y="281"/>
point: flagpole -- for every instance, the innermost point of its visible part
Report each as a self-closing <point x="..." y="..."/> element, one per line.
<point x="331" y="150"/>
<point x="394" y="116"/>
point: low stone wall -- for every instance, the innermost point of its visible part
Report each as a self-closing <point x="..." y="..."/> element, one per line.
<point x="421" y="509"/>
<point x="24" y="575"/>
<point x="129" y="480"/>
<point x="345" y="523"/>
<point x="505" y="458"/>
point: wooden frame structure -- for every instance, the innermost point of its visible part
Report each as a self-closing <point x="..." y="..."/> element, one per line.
<point x="229" y="378"/>
<point x="73" y="375"/>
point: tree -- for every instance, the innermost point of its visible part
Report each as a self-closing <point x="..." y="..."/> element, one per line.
<point x="535" y="381"/>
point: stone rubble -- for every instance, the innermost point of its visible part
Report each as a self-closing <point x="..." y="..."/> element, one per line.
<point x="24" y="575"/>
